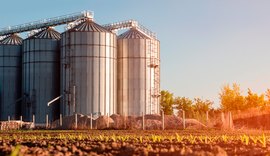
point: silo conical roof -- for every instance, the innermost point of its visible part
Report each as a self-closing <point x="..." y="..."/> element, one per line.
<point x="48" y="33"/>
<point x="89" y="25"/>
<point x="133" y="33"/>
<point x="13" y="39"/>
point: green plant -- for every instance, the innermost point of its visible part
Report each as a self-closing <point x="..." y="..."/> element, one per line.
<point x="16" y="150"/>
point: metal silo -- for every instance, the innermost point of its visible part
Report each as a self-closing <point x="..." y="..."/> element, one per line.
<point x="88" y="70"/>
<point x="41" y="75"/>
<point x="137" y="73"/>
<point x="10" y="76"/>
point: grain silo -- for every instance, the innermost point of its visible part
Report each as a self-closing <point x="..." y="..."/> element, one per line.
<point x="41" y="75"/>
<point x="137" y="73"/>
<point x="88" y="70"/>
<point x="10" y="76"/>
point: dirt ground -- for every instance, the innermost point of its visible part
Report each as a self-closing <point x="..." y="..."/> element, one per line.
<point x="127" y="142"/>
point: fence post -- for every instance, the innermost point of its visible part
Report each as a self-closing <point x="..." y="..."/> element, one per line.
<point x="108" y="124"/>
<point x="21" y="121"/>
<point x="163" y="126"/>
<point x="47" y="121"/>
<point x="76" y="121"/>
<point x="142" y="120"/>
<point x="33" y="120"/>
<point x="230" y="120"/>
<point x="91" y="121"/>
<point x="125" y="121"/>
<point x="184" y="120"/>
<point x="60" y="120"/>
<point x="222" y="119"/>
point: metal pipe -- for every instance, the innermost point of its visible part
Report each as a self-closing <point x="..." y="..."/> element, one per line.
<point x="53" y="100"/>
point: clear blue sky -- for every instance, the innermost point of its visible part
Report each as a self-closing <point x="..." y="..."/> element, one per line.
<point x="204" y="44"/>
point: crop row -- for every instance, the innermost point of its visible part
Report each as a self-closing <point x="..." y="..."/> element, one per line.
<point x="260" y="140"/>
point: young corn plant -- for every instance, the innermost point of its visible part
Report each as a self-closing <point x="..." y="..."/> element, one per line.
<point x="201" y="138"/>
<point x="106" y="138"/>
<point x="113" y="138"/>
<point x="254" y="139"/>
<point x="80" y="137"/>
<point x="192" y="139"/>
<point x="159" y="138"/>
<point x="179" y="138"/>
<point x="244" y="139"/>
<point x="154" y="138"/>
<point x="205" y="138"/>
<point x="100" y="138"/>
<point x="61" y="136"/>
<point x="171" y="138"/>
<point x="262" y="140"/>
<point x="124" y="138"/>
<point x="16" y="151"/>
<point x="141" y="139"/>
<point x="225" y="138"/>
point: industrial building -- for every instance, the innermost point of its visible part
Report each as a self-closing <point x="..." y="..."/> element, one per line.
<point x="87" y="69"/>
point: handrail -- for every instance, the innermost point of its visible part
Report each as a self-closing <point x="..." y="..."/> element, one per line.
<point x="45" y="23"/>
<point x="130" y="24"/>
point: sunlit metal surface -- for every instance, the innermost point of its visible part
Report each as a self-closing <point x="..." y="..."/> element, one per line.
<point x="88" y="62"/>
<point x="137" y="73"/>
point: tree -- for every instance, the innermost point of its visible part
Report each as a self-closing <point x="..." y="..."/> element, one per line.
<point x="185" y="104"/>
<point x="231" y="98"/>
<point x="202" y="106"/>
<point x="166" y="102"/>
<point x="252" y="100"/>
<point x="267" y="94"/>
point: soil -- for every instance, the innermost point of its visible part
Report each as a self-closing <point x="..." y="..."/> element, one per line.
<point x="90" y="143"/>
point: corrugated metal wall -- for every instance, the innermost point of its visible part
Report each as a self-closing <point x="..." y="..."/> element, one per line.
<point x="10" y="77"/>
<point x="88" y="62"/>
<point x="41" y="76"/>
<point x="137" y="78"/>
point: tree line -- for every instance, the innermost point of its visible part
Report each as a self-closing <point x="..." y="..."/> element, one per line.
<point x="192" y="107"/>
<point x="231" y="99"/>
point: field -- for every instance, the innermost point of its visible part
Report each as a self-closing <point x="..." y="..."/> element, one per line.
<point x="116" y="142"/>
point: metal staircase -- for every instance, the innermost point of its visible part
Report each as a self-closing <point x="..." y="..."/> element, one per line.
<point x="130" y="24"/>
<point x="50" y="22"/>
